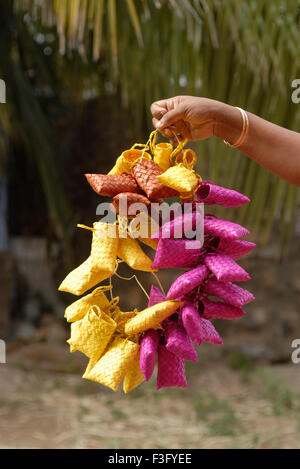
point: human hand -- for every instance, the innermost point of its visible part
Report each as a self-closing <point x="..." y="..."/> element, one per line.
<point x="185" y="117"/>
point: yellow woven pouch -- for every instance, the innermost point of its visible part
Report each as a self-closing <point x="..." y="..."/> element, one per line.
<point x="180" y="178"/>
<point x="130" y="252"/>
<point x="91" y="334"/>
<point x="151" y="317"/>
<point x="128" y="157"/>
<point x="78" y="309"/>
<point x="113" y="365"/>
<point x="82" y="279"/>
<point x="104" y="248"/>
<point x="162" y="152"/>
<point x="134" y="376"/>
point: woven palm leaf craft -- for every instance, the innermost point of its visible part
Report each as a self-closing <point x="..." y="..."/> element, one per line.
<point x="126" y="345"/>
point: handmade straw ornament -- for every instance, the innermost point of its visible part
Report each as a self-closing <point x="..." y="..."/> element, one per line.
<point x="225" y="268"/>
<point x="79" y="308"/>
<point x="134" y="376"/>
<point x="148" y="351"/>
<point x="145" y="173"/>
<point x="220" y="310"/>
<point x="91" y="334"/>
<point x="235" y="248"/>
<point x="179" y="178"/>
<point x="171" y="370"/>
<point x="113" y="365"/>
<point x="82" y="278"/>
<point x="223" y="228"/>
<point x="151" y="317"/>
<point x="229" y="292"/>
<point x="165" y="258"/>
<point x="187" y="282"/>
<point x="178" y="342"/>
<point x="211" y="194"/>
<point x="127" y="159"/>
<point x="161" y="155"/>
<point x="111" y="185"/>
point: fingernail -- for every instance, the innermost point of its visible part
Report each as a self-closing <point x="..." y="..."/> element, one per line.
<point x="158" y="124"/>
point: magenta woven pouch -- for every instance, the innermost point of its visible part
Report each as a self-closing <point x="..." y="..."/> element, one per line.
<point x="235" y="249"/>
<point x="180" y="224"/>
<point x="192" y="322"/>
<point x="225" y="268"/>
<point x="148" y="350"/>
<point x="178" y="342"/>
<point x="229" y="292"/>
<point x="171" y="370"/>
<point x="209" y="333"/>
<point x="155" y="297"/>
<point x="219" y="310"/>
<point x="223" y="228"/>
<point x="211" y="194"/>
<point x="173" y="253"/>
<point x="187" y="282"/>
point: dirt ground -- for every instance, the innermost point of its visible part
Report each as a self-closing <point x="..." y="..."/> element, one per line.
<point x="230" y="404"/>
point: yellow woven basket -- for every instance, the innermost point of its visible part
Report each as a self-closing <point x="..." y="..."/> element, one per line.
<point x="151" y="317"/>
<point x="126" y="159"/>
<point x="82" y="279"/>
<point x="180" y="178"/>
<point x="78" y="309"/>
<point x="91" y="334"/>
<point x="113" y="365"/>
<point x="162" y="152"/>
<point x="104" y="248"/>
<point x="134" y="376"/>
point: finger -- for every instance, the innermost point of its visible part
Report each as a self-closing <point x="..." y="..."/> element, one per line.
<point x="158" y="108"/>
<point x="171" y="117"/>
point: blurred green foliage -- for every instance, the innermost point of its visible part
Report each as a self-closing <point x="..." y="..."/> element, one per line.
<point x="243" y="52"/>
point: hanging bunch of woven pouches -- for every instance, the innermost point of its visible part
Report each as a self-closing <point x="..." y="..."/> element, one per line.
<point x="124" y="345"/>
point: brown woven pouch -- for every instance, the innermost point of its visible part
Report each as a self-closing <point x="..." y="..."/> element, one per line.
<point x="112" y="184"/>
<point x="145" y="174"/>
<point x="131" y="199"/>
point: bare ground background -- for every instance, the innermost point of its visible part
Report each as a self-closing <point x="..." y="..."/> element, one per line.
<point x="229" y="403"/>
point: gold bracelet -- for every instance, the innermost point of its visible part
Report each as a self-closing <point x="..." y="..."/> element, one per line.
<point x="244" y="133"/>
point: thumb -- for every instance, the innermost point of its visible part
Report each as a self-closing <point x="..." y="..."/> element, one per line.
<point x="171" y="117"/>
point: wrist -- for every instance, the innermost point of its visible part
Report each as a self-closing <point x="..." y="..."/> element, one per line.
<point x="228" y="123"/>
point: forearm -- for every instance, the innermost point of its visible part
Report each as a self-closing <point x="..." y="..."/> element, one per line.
<point x="272" y="146"/>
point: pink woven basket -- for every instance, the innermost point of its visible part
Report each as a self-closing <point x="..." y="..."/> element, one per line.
<point x="192" y="322"/>
<point x="211" y="194"/>
<point x="166" y="248"/>
<point x="235" y="249"/>
<point x="209" y="333"/>
<point x="225" y="268"/>
<point x="148" y="351"/>
<point x="223" y="228"/>
<point x="178" y="342"/>
<point x="171" y="370"/>
<point x="229" y="292"/>
<point x="187" y="282"/>
<point x="219" y="310"/>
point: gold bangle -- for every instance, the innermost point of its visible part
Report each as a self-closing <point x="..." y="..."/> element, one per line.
<point x="244" y="133"/>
